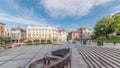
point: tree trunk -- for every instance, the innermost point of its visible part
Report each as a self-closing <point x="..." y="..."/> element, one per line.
<point x="106" y="36"/>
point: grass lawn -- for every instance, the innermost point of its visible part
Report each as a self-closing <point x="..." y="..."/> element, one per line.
<point x="109" y="40"/>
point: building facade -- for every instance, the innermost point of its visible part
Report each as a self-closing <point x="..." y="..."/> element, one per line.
<point x="42" y="33"/>
<point x="81" y="34"/>
<point x="85" y="33"/>
<point x="2" y="29"/>
<point x="74" y="35"/>
<point x="16" y="34"/>
<point x="63" y="36"/>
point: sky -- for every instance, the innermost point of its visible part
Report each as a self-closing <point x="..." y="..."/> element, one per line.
<point x="63" y="14"/>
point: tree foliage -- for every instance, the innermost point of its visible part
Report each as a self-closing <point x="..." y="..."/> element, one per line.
<point x="42" y="41"/>
<point x="4" y="40"/>
<point x="104" y="27"/>
<point x="29" y="41"/>
<point x="7" y="39"/>
<point x="36" y="41"/>
<point x="117" y="23"/>
<point x="49" y="41"/>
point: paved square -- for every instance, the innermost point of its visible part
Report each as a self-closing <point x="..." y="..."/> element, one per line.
<point x="20" y="56"/>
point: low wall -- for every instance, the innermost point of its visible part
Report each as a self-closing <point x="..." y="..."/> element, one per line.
<point x="61" y="63"/>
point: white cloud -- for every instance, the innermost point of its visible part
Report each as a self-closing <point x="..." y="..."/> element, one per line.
<point x="72" y="29"/>
<point x="116" y="9"/>
<point x="13" y="5"/>
<point x="22" y="15"/>
<point x="21" y="20"/>
<point x="63" y="8"/>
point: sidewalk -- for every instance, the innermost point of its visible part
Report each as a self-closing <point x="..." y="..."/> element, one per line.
<point x="76" y="59"/>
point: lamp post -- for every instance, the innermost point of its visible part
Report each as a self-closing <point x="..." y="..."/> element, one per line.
<point x="102" y="34"/>
<point x="81" y="38"/>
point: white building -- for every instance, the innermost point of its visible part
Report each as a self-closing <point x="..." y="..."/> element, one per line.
<point x="62" y="36"/>
<point x="85" y="33"/>
<point x="42" y="33"/>
<point x="16" y="34"/>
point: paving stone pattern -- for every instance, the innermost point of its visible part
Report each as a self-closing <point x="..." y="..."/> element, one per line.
<point x="20" y="56"/>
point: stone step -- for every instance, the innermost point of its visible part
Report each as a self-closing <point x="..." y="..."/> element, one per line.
<point x="98" y="55"/>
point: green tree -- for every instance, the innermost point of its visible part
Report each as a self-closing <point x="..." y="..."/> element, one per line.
<point x="42" y="41"/>
<point x="29" y="41"/>
<point x="49" y="41"/>
<point x="117" y="24"/>
<point x="7" y="39"/>
<point x="104" y="27"/>
<point x="36" y="41"/>
<point x="2" y="40"/>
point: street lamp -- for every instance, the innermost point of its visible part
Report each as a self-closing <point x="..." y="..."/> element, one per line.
<point x="102" y="34"/>
<point x="81" y="38"/>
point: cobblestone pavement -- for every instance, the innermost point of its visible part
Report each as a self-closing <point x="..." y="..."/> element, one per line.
<point x="21" y="56"/>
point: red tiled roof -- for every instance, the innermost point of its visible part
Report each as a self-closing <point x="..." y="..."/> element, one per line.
<point x="75" y="31"/>
<point x="62" y="30"/>
<point x="83" y="28"/>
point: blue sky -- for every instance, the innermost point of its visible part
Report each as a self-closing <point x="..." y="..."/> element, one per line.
<point x="63" y="14"/>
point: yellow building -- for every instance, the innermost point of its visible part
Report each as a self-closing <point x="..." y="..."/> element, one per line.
<point x="2" y="29"/>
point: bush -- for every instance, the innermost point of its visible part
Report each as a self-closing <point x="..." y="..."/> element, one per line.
<point x="29" y="42"/>
<point x="2" y="40"/>
<point x="42" y="41"/>
<point x="7" y="40"/>
<point x="36" y="41"/>
<point x="49" y="42"/>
